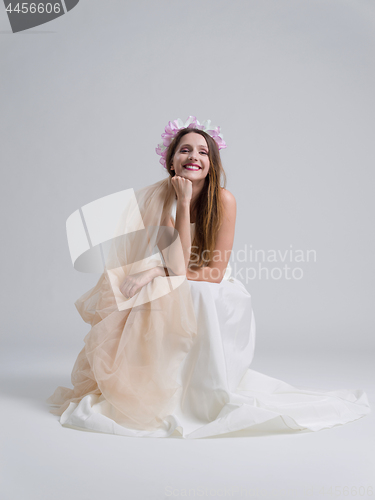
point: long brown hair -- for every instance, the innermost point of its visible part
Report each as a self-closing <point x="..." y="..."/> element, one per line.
<point x="208" y="206"/>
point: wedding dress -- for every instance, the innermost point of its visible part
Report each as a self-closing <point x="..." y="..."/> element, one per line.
<point x="208" y="390"/>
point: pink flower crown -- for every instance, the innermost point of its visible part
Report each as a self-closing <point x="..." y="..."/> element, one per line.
<point x="174" y="127"/>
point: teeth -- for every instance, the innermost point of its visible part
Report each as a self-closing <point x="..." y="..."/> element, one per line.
<point x="190" y="167"/>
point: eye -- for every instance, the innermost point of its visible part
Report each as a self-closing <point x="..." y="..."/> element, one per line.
<point x="204" y="152"/>
<point x="184" y="150"/>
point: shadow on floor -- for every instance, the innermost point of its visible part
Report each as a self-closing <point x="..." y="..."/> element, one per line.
<point x="36" y="388"/>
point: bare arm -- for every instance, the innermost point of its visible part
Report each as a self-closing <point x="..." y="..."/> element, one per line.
<point x="215" y="271"/>
<point x="177" y="254"/>
<point x="182" y="226"/>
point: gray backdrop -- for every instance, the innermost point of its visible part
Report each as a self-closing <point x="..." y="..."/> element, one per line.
<point x="85" y="98"/>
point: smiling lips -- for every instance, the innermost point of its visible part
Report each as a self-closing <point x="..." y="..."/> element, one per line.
<point x="191" y="166"/>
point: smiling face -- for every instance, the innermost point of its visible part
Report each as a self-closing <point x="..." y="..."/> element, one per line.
<point x="191" y="158"/>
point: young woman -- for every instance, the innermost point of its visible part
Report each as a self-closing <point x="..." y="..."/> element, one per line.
<point x="172" y="333"/>
<point x="194" y="164"/>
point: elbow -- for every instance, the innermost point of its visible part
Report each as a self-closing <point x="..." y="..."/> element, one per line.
<point x="216" y="275"/>
<point x="176" y="271"/>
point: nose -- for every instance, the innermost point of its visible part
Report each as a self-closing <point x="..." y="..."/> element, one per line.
<point x="193" y="154"/>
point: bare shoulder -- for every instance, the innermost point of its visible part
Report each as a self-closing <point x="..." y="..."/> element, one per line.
<point x="229" y="205"/>
<point x="229" y="200"/>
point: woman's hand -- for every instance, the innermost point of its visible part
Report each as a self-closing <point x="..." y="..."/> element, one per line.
<point x="183" y="187"/>
<point x="134" y="282"/>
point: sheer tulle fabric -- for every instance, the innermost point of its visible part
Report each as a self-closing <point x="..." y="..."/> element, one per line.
<point x="176" y="357"/>
<point x="131" y="356"/>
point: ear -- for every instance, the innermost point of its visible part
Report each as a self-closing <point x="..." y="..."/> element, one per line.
<point x="172" y="167"/>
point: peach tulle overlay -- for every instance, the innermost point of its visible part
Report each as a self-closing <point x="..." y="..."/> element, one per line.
<point x="135" y="346"/>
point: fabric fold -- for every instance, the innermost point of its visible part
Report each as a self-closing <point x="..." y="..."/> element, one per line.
<point x="175" y="358"/>
<point x="131" y="355"/>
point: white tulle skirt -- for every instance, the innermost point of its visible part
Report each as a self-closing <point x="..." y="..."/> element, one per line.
<point x="218" y="392"/>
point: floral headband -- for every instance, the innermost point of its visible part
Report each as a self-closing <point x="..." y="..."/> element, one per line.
<point x="174" y="127"/>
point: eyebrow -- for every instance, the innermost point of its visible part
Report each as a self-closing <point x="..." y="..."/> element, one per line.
<point x="201" y="146"/>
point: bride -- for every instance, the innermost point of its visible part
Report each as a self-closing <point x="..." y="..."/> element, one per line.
<point x="172" y="333"/>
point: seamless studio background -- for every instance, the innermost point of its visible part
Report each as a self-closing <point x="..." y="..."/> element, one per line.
<point x="84" y="101"/>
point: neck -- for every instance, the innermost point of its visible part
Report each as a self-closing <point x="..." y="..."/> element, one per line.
<point x="197" y="188"/>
